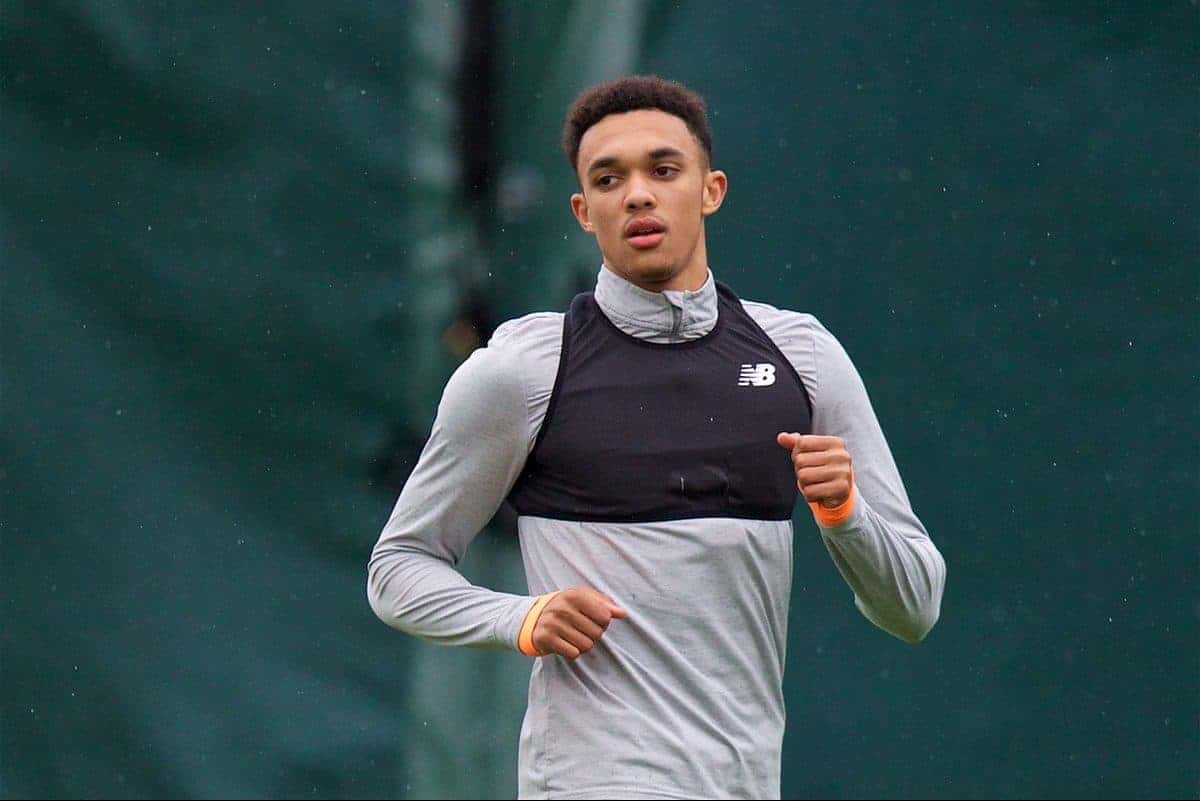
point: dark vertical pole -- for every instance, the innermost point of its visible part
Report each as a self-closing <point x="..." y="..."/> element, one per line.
<point x="477" y="112"/>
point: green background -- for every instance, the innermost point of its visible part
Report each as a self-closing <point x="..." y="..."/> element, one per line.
<point x="233" y="241"/>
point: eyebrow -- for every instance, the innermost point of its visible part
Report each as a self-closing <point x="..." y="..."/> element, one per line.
<point x="655" y="155"/>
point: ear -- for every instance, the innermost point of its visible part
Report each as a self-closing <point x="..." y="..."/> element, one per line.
<point x="715" y="186"/>
<point x="579" y="208"/>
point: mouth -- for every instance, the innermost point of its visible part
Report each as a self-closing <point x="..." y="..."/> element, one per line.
<point x="645" y="232"/>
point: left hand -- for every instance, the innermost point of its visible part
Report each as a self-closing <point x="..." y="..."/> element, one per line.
<point x="824" y="472"/>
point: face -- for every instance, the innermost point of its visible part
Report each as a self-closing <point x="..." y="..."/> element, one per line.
<point x="647" y="188"/>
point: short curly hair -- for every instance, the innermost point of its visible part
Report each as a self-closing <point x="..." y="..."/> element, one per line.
<point x="631" y="93"/>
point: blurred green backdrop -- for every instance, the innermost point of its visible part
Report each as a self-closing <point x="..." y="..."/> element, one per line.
<point x="242" y="249"/>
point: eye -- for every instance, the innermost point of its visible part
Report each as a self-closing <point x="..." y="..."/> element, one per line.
<point x="605" y="181"/>
<point x="665" y="170"/>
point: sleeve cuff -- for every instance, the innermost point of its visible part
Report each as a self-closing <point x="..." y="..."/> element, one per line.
<point x="831" y="518"/>
<point x="525" y="638"/>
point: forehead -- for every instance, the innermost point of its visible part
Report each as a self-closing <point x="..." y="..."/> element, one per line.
<point x="632" y="134"/>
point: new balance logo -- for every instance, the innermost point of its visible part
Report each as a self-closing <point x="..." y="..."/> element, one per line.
<point x="756" y="375"/>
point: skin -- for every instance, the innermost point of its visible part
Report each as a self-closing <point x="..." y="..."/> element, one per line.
<point x="573" y="622"/>
<point x="824" y="470"/>
<point x="647" y="164"/>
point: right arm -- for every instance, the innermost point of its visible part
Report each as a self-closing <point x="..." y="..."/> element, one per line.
<point x="475" y="453"/>
<point x="482" y="435"/>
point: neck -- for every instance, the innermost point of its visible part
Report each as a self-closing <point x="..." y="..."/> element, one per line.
<point x="665" y="316"/>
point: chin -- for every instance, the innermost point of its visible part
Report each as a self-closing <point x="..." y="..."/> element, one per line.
<point x="659" y="277"/>
<point x="654" y="272"/>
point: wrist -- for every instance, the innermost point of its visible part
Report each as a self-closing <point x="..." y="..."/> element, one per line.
<point x="828" y="517"/>
<point x="525" y="638"/>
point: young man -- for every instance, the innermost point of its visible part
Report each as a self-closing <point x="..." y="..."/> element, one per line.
<point x="652" y="440"/>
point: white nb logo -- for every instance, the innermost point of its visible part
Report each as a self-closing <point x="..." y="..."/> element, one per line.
<point x="757" y="375"/>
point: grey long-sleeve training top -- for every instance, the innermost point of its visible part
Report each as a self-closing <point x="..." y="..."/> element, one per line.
<point x="684" y="698"/>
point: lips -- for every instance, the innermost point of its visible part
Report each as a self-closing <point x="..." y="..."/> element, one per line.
<point x="645" y="232"/>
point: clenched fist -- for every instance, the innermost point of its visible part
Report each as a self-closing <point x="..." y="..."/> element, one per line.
<point x="824" y="472"/>
<point x="573" y="621"/>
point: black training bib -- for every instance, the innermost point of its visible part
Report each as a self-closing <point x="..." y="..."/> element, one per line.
<point x="639" y="432"/>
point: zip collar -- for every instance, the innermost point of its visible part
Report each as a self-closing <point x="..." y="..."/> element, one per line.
<point x="673" y="315"/>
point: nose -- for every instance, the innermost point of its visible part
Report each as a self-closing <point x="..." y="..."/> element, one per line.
<point x="639" y="195"/>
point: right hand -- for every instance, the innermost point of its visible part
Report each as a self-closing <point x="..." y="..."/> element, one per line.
<point x="573" y="621"/>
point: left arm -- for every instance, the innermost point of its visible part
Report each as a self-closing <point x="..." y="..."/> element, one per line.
<point x="847" y="474"/>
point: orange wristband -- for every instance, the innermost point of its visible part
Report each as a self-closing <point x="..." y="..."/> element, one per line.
<point x="839" y="514"/>
<point x="525" y="639"/>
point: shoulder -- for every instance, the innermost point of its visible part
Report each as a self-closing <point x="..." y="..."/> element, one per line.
<point x="789" y="329"/>
<point x="531" y="331"/>
<point x="514" y="361"/>
<point x="528" y="344"/>
<point x="490" y="393"/>
<point x="515" y="342"/>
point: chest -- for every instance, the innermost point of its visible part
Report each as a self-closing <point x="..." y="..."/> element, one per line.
<point x="642" y="432"/>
